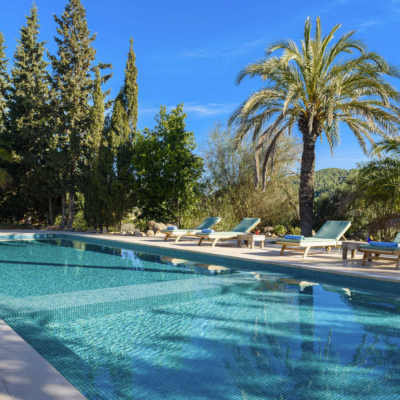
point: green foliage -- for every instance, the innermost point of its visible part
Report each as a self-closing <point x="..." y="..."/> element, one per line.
<point x="295" y="231"/>
<point x="130" y="89"/>
<point x="167" y="172"/>
<point x="317" y="87"/>
<point x="229" y="188"/>
<point x="369" y="198"/>
<point x="29" y="130"/>
<point x="279" y="230"/>
<point x="73" y="86"/>
<point x="329" y="179"/>
<point x="4" y="82"/>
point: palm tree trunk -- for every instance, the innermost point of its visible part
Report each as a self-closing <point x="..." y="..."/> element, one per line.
<point x="306" y="192"/>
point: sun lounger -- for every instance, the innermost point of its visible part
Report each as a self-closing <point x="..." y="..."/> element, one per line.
<point x="178" y="233"/>
<point x="244" y="227"/>
<point x="369" y="249"/>
<point x="328" y="236"/>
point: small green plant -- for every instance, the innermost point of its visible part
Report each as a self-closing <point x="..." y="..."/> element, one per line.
<point x="279" y="230"/>
<point x="295" y="231"/>
<point x="128" y="227"/>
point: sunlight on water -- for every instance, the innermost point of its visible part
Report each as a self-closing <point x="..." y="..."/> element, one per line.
<point x="125" y="325"/>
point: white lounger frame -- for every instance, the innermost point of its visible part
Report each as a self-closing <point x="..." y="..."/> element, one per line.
<point x="306" y="246"/>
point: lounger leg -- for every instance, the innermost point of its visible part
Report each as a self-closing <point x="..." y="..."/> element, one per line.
<point x="364" y="258"/>
<point x="201" y="241"/>
<point x="239" y="243"/>
<point x="353" y="252"/>
<point x="328" y="249"/>
<point x="177" y="238"/>
<point x="283" y="249"/>
<point x="306" y="250"/>
<point x="166" y="238"/>
<point x="398" y="263"/>
<point x="214" y="242"/>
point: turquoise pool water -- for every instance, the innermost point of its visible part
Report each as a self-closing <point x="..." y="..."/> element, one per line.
<point x="120" y="324"/>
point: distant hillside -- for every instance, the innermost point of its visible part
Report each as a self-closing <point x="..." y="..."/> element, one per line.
<point x="329" y="179"/>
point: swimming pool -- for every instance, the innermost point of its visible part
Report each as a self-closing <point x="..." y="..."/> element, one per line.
<point x="126" y="324"/>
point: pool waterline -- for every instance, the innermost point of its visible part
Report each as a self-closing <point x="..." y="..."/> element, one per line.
<point x="230" y="324"/>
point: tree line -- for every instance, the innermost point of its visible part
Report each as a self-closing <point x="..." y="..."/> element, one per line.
<point x="65" y="147"/>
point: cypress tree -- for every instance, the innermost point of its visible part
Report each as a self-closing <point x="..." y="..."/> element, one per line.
<point x="130" y="89"/>
<point x="5" y="178"/>
<point x="28" y="106"/>
<point x="122" y="130"/>
<point x="96" y="117"/>
<point x="73" y="82"/>
<point x="4" y="82"/>
<point x="92" y="206"/>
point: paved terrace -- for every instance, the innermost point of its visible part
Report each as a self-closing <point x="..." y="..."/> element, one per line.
<point x="25" y="375"/>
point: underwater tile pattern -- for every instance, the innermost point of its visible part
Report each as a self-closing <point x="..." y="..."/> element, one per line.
<point x="192" y="334"/>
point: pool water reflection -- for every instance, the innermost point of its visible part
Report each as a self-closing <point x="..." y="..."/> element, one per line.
<point x="238" y="336"/>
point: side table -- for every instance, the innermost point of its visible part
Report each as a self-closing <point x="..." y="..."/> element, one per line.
<point x="352" y="245"/>
<point x="250" y="239"/>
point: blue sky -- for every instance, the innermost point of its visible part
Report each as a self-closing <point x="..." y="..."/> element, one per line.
<point x="191" y="51"/>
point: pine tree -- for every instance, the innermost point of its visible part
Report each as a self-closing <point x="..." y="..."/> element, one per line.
<point x="28" y="127"/>
<point x="74" y="85"/>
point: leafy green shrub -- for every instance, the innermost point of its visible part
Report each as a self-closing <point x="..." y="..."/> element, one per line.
<point x="128" y="227"/>
<point x="279" y="230"/>
<point x="295" y="231"/>
<point x="141" y="225"/>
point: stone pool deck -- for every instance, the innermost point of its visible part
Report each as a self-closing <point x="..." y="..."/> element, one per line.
<point x="25" y="375"/>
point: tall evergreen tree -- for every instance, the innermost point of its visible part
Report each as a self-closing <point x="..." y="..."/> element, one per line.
<point x="28" y="106"/>
<point x="96" y="118"/>
<point x="121" y="136"/>
<point x="74" y="85"/>
<point x="130" y="88"/>
<point x="92" y="206"/>
<point x="4" y="82"/>
<point x="123" y="125"/>
<point x="5" y="156"/>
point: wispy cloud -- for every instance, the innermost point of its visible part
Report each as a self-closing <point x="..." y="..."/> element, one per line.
<point x="225" y="50"/>
<point x="240" y="48"/>
<point x="195" y="109"/>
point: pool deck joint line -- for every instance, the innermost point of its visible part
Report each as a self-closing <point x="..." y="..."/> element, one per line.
<point x="26" y="375"/>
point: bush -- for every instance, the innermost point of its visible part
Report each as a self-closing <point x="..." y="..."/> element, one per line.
<point x="128" y="227"/>
<point x="295" y="231"/>
<point x="279" y="230"/>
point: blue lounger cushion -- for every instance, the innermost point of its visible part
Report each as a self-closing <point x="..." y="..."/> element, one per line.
<point x="294" y="237"/>
<point x="384" y="244"/>
<point x="207" y="231"/>
<point x="171" y="228"/>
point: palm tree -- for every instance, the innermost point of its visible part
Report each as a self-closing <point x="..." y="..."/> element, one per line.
<point x="377" y="187"/>
<point x="317" y="87"/>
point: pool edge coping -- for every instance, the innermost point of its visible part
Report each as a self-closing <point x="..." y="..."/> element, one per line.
<point x="38" y="379"/>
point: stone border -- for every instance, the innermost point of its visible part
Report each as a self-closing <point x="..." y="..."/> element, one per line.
<point x="26" y="375"/>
